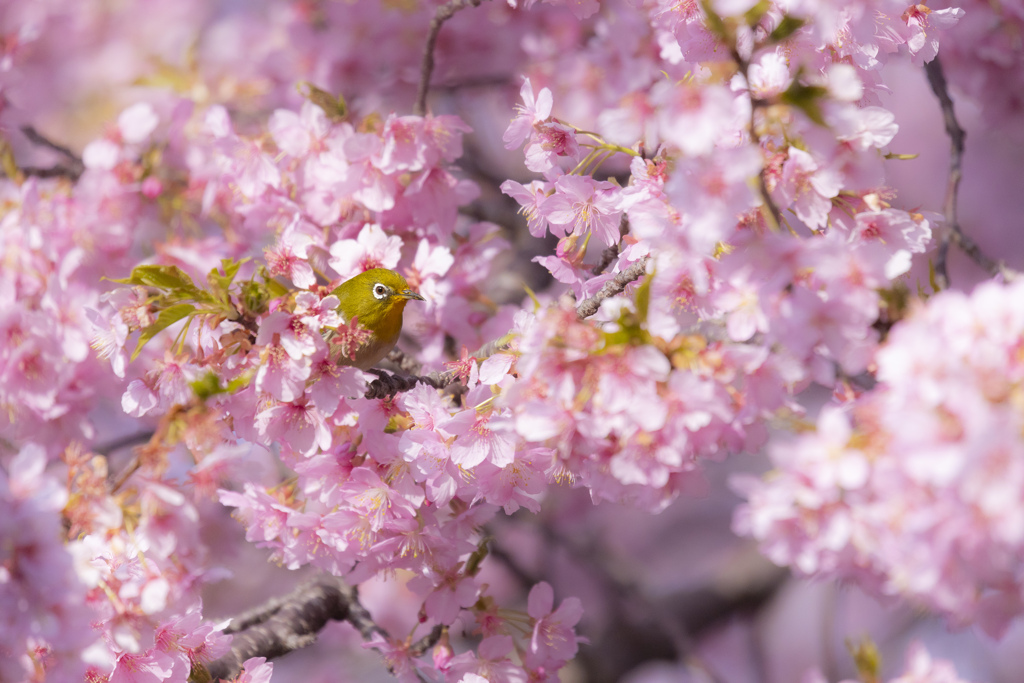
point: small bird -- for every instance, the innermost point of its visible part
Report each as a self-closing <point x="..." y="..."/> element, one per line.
<point x="376" y="298"/>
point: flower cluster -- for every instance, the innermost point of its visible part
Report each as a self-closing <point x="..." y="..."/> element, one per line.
<point x="915" y="488"/>
<point x="920" y="668"/>
<point x="45" y="622"/>
<point x="721" y="165"/>
<point x="981" y="59"/>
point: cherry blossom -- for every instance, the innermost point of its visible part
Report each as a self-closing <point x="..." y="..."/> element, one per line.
<point x="714" y="232"/>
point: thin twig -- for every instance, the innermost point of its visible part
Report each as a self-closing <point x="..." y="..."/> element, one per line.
<point x="512" y="564"/>
<point x="123" y="442"/>
<point x="756" y="104"/>
<point x="629" y="595"/>
<point x="616" y="285"/>
<point x="937" y="81"/>
<point x="128" y="470"/>
<point x="495" y="81"/>
<point x="443" y="14"/>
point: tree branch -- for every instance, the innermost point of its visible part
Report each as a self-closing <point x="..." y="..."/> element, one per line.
<point x="285" y="624"/>
<point x="72" y="169"/>
<point x="612" y="252"/>
<point x="428" y="641"/>
<point x="937" y="81"/>
<point x="106" y="449"/>
<point x="443" y="14"/>
<point x="616" y="285"/>
<point x="388" y="384"/>
<point x="756" y="104"/>
<point x="404" y="363"/>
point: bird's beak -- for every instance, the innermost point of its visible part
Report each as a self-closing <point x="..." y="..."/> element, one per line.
<point x="409" y="294"/>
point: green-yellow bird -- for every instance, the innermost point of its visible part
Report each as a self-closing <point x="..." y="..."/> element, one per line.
<point x="377" y="298"/>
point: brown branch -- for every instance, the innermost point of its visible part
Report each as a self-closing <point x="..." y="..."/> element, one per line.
<point x="426" y="642"/>
<point x="72" y="169"/>
<point x="123" y="442"/>
<point x="443" y="14"/>
<point x="937" y="81"/>
<point x="38" y="138"/>
<point x="616" y="285"/>
<point x="58" y="171"/>
<point x="404" y="363"/>
<point x="128" y="470"/>
<point x="757" y="104"/>
<point x="612" y="252"/>
<point x="495" y="81"/>
<point x="291" y="622"/>
<point x="388" y="384"/>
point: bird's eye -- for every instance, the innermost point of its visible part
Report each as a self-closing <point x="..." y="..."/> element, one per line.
<point x="379" y="291"/>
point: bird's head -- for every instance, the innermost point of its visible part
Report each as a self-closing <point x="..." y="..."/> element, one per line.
<point x="377" y="298"/>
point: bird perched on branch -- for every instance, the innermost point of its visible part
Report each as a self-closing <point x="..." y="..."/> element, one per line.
<point x="376" y="300"/>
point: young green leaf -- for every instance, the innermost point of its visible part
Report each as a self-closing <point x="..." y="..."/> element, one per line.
<point x="167" y="317"/>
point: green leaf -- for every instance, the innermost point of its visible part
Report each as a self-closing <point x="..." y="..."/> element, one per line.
<point x="167" y="317"/>
<point x="206" y="386"/>
<point x="867" y="659"/>
<point x="199" y="674"/>
<point x="335" y="107"/>
<point x="477" y="557"/>
<point x="933" y="277"/>
<point x="787" y="27"/>
<point x="755" y="13"/>
<point x="533" y="297"/>
<point x="230" y="268"/>
<point x="274" y="288"/>
<point x="806" y="98"/>
<point x="8" y="163"/>
<point x="239" y="383"/>
<point x="643" y="299"/>
<point x="714" y="23"/>
<point x="171" y="278"/>
<point x="254" y="297"/>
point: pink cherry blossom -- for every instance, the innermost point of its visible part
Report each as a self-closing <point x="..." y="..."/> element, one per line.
<point x="255" y="670"/>
<point x="809" y="186"/>
<point x="533" y="111"/>
<point x="582" y="206"/>
<point x="371" y="249"/>
<point x="553" y="636"/>
<point x="728" y="183"/>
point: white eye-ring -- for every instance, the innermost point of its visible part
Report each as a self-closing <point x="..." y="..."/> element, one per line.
<point x="380" y="291"/>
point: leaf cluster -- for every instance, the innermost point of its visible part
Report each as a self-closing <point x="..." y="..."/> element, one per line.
<point x="175" y="296"/>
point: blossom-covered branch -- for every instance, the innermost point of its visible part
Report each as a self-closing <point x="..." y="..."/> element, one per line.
<point x="187" y="281"/>
<point x="616" y="285"/>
